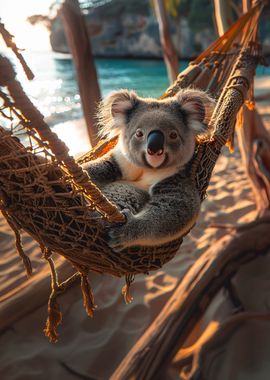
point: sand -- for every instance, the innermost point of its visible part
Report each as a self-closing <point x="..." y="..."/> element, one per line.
<point x="92" y="348"/>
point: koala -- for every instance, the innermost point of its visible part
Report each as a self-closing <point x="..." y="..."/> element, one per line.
<point x="146" y="173"/>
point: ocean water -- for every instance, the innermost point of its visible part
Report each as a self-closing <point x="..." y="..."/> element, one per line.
<point x="55" y="92"/>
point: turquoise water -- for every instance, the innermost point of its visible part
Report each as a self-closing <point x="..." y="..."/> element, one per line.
<point x="54" y="89"/>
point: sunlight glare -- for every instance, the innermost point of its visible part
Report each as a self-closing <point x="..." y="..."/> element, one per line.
<point x="14" y="14"/>
<point x="75" y="136"/>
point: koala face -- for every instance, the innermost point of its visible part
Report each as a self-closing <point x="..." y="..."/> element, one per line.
<point x="156" y="133"/>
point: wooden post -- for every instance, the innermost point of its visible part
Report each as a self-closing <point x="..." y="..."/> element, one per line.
<point x="80" y="47"/>
<point x="221" y="16"/>
<point x="246" y="4"/>
<point x="169" y="52"/>
<point x="253" y="138"/>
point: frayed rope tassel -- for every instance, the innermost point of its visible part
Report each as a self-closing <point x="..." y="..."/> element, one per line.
<point x="88" y="298"/>
<point x="126" y="289"/>
<point x="53" y="320"/>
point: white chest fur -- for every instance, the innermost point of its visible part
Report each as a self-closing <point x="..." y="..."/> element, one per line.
<point x="143" y="178"/>
<point x="150" y="177"/>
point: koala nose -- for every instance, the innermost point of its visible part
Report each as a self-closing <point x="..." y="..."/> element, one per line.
<point x="155" y="143"/>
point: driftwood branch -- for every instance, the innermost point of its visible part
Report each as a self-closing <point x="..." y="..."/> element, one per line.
<point x="213" y="337"/>
<point x="244" y="226"/>
<point x="80" y="47"/>
<point x="167" y="334"/>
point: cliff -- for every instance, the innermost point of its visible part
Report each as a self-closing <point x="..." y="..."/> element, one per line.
<point x="121" y="28"/>
<point x="129" y="29"/>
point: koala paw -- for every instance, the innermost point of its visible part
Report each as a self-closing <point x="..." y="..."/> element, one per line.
<point x="119" y="236"/>
<point x="128" y="215"/>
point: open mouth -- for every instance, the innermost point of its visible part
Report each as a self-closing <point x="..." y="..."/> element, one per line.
<point x="155" y="160"/>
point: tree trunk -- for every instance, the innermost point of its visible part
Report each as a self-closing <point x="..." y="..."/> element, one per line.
<point x="246" y="4"/>
<point x="80" y="47"/>
<point x="169" y="52"/>
<point x="222" y="15"/>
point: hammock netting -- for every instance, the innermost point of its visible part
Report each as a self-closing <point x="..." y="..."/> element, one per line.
<point x="45" y="192"/>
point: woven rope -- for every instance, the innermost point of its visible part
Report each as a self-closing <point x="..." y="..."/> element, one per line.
<point x="45" y="191"/>
<point x="58" y="147"/>
<point x="64" y="189"/>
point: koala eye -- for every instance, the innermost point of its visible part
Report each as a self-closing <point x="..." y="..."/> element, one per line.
<point x="173" y="135"/>
<point x="139" y="133"/>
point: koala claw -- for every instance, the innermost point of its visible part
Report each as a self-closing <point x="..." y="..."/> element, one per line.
<point x="128" y="214"/>
<point x="118" y="235"/>
<point x="116" y="239"/>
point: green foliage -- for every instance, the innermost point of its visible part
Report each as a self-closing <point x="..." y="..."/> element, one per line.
<point x="198" y="12"/>
<point x="172" y="7"/>
<point x="176" y="8"/>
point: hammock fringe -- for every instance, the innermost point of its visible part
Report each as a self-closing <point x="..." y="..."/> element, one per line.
<point x="44" y="191"/>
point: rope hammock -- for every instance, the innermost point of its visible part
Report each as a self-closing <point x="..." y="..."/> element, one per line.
<point x="45" y="192"/>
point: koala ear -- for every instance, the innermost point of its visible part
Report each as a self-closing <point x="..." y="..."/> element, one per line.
<point x="198" y="106"/>
<point x="112" y="111"/>
<point x="122" y="101"/>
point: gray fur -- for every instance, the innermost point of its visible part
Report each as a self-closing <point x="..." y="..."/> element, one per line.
<point x="161" y="203"/>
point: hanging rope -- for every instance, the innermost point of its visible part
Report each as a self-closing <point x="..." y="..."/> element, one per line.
<point x="45" y="191"/>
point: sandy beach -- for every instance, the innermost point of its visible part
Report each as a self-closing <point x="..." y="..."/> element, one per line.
<point x="93" y="348"/>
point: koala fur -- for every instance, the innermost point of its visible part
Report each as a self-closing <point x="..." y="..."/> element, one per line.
<point x="146" y="175"/>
